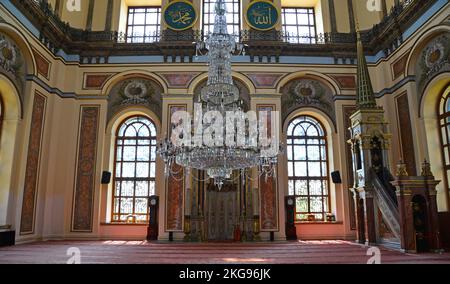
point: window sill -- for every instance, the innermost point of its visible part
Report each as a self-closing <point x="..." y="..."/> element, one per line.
<point x="318" y="223"/>
<point x="124" y="224"/>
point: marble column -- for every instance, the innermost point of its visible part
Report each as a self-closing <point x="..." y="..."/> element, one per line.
<point x="90" y="15"/>
<point x="109" y="15"/>
<point x="351" y="16"/>
<point x="332" y="16"/>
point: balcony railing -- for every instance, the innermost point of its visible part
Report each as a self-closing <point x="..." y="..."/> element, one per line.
<point x="56" y="34"/>
<point x="244" y="36"/>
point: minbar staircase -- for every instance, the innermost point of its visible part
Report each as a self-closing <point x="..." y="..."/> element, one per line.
<point x="386" y="200"/>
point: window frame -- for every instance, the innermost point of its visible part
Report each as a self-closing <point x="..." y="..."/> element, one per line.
<point x="155" y="38"/>
<point x="444" y="114"/>
<point x="134" y="179"/>
<point x="312" y="39"/>
<point x="239" y="13"/>
<point x="325" y="178"/>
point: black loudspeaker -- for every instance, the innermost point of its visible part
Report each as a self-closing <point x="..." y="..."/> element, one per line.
<point x="7" y="238"/>
<point x="336" y="177"/>
<point x="106" y="177"/>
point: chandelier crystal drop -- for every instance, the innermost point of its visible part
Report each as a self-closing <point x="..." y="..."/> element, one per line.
<point x="220" y="95"/>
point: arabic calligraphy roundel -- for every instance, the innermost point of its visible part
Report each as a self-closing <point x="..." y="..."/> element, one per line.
<point x="180" y="15"/>
<point x="262" y="15"/>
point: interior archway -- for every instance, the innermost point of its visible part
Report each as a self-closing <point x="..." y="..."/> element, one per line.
<point x="329" y="130"/>
<point x="433" y="95"/>
<point x="9" y="123"/>
<point x="110" y="150"/>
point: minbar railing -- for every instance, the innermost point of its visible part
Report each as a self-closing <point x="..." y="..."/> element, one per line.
<point x="386" y="203"/>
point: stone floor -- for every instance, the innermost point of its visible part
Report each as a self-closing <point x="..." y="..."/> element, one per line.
<point x="313" y="252"/>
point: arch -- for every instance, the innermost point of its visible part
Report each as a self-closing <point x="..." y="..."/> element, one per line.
<point x="308" y="166"/>
<point x="430" y="96"/>
<point x="109" y="149"/>
<point x="244" y="94"/>
<point x="311" y="75"/>
<point x="23" y="45"/>
<point x="150" y="96"/>
<point x="241" y="77"/>
<point x="429" y="113"/>
<point x="119" y="117"/>
<point x="11" y="117"/>
<point x="332" y="143"/>
<point x="419" y="44"/>
<point x="319" y="82"/>
<point x="134" y="151"/>
<point x="12" y="104"/>
<point x="114" y="80"/>
<point x="319" y="115"/>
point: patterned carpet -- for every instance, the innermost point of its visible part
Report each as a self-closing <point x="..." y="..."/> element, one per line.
<point x="116" y="252"/>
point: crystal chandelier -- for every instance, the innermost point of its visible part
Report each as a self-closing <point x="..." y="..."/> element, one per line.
<point x="221" y="96"/>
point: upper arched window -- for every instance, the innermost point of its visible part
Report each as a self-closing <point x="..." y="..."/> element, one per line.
<point x="135" y="170"/>
<point x="233" y="16"/>
<point x="444" y="122"/>
<point x="308" y="168"/>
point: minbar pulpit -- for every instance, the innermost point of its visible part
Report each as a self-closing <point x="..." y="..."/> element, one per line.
<point x="418" y="210"/>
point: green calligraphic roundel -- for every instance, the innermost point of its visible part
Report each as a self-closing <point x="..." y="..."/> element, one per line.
<point x="180" y="15"/>
<point x="262" y="15"/>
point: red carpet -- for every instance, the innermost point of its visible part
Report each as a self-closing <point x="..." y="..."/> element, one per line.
<point x="310" y="252"/>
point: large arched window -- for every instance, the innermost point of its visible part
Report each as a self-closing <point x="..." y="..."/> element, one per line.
<point x="135" y="170"/>
<point x="308" y="168"/>
<point x="233" y="16"/>
<point x="444" y="122"/>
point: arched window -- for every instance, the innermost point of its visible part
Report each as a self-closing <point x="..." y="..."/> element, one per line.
<point x="135" y="170"/>
<point x="308" y="168"/>
<point x="233" y="16"/>
<point x="444" y="122"/>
